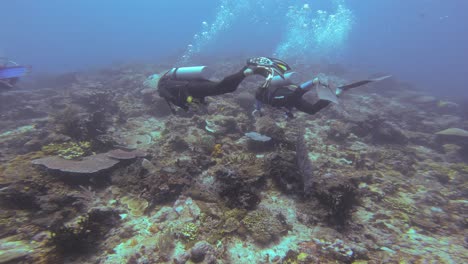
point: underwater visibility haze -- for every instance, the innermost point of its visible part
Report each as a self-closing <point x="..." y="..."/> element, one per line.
<point x="320" y="131"/>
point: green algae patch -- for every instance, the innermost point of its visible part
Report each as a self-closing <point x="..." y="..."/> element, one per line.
<point x="7" y="135"/>
<point x="137" y="206"/>
<point x="302" y="257"/>
<point x="12" y="250"/>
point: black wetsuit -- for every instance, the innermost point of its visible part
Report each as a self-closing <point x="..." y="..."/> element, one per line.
<point x="177" y="91"/>
<point x="288" y="98"/>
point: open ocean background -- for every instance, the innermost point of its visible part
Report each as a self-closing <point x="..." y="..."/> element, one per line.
<point x="423" y="42"/>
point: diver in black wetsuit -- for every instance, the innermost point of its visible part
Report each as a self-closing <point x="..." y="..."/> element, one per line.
<point x="183" y="86"/>
<point x="290" y="96"/>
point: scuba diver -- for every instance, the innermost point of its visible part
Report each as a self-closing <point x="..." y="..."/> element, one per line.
<point x="188" y="85"/>
<point x="281" y="92"/>
<point x="10" y="72"/>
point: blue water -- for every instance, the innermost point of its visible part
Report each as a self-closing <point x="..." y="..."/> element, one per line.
<point x="421" y="41"/>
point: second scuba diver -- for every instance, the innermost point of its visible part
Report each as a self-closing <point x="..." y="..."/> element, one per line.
<point x="283" y="93"/>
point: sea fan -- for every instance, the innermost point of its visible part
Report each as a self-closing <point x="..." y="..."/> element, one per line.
<point x="304" y="164"/>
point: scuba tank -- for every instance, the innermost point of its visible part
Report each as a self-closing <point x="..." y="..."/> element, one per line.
<point x="289" y="78"/>
<point x="190" y="73"/>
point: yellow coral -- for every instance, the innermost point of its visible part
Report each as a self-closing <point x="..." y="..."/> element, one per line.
<point x="189" y="231"/>
<point x="68" y="150"/>
<point x="217" y="150"/>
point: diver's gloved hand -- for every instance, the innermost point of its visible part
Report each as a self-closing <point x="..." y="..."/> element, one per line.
<point x="259" y="70"/>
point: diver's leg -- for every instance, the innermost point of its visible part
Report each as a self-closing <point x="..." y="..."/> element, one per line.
<point x="311" y="109"/>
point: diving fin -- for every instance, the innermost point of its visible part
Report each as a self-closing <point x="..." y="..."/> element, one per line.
<point x="325" y="93"/>
<point x="361" y="83"/>
<point x="13" y="72"/>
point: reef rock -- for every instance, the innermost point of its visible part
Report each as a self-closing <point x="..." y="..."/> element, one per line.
<point x="238" y="188"/>
<point x="282" y="168"/>
<point x="245" y="100"/>
<point x="268" y="127"/>
<point x="220" y="125"/>
<point x="201" y="251"/>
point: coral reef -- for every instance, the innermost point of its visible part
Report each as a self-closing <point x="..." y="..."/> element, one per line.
<point x="378" y="178"/>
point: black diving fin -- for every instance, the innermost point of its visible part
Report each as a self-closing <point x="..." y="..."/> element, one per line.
<point x="360" y="83"/>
